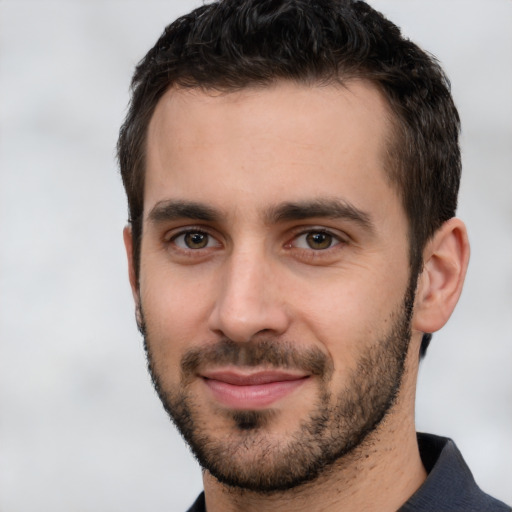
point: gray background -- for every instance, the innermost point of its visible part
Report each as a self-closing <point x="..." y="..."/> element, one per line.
<point x="80" y="426"/>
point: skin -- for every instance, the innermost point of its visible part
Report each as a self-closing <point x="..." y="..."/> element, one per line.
<point x="243" y="155"/>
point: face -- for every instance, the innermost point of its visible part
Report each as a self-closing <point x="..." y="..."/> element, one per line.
<point x="274" y="282"/>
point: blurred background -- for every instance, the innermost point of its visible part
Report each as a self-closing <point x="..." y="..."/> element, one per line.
<point x="81" y="428"/>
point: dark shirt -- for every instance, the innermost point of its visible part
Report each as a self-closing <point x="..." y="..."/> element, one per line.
<point x="449" y="487"/>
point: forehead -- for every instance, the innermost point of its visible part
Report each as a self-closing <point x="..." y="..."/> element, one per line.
<point x="287" y="142"/>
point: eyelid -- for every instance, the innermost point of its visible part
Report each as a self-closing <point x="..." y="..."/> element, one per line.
<point x="184" y="229"/>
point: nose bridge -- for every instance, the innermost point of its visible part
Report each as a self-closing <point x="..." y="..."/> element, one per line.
<point x="247" y="301"/>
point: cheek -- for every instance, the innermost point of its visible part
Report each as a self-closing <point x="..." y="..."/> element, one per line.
<point x="350" y="314"/>
<point x="175" y="309"/>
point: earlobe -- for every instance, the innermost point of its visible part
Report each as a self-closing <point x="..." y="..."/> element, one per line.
<point x="132" y="274"/>
<point x="446" y="259"/>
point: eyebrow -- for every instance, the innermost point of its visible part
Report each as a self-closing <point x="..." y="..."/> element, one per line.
<point x="169" y="210"/>
<point x="174" y="210"/>
<point x="326" y="208"/>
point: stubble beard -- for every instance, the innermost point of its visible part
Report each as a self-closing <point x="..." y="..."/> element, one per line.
<point x="251" y="457"/>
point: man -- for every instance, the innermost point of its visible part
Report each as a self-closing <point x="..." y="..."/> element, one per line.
<point x="292" y="170"/>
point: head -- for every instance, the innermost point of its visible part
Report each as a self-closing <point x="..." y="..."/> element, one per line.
<point x="251" y="271"/>
<point x="330" y="41"/>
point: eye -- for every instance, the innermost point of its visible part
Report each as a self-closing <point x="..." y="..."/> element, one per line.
<point x="316" y="240"/>
<point x="193" y="240"/>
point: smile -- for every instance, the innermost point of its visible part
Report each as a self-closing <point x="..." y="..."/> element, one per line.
<point x="241" y="391"/>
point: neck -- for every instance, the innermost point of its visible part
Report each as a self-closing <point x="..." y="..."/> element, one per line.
<point x="376" y="478"/>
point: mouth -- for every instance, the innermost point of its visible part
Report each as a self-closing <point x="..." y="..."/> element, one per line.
<point x="252" y="390"/>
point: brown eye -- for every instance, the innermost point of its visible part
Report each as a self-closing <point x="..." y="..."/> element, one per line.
<point x="194" y="240"/>
<point x="319" y="240"/>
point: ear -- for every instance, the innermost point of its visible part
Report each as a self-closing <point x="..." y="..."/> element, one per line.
<point x="132" y="274"/>
<point x="445" y="261"/>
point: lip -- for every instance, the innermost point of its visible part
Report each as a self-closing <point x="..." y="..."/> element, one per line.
<point x="249" y="391"/>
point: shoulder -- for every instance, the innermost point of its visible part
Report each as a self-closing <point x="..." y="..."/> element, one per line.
<point x="199" y="505"/>
<point x="450" y="486"/>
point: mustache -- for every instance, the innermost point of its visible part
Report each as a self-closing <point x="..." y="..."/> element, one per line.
<point x="266" y="352"/>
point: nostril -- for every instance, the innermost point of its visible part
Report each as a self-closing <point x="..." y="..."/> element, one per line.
<point x="264" y="331"/>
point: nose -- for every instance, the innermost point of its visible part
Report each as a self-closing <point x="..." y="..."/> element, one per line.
<point x="249" y="300"/>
